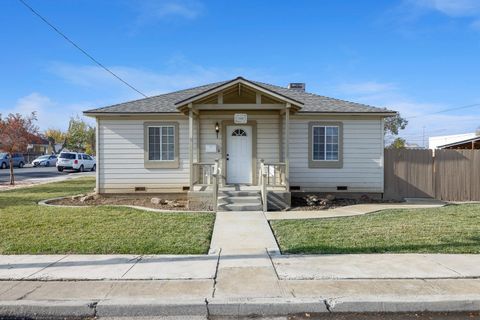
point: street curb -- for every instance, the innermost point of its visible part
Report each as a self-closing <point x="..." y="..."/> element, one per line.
<point x="151" y="307"/>
<point x="47" y="309"/>
<point x="233" y="307"/>
<point x="265" y="307"/>
<point x="416" y="304"/>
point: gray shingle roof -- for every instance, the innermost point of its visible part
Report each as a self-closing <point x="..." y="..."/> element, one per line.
<point x="165" y="103"/>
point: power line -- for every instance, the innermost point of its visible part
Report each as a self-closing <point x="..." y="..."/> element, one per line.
<point x="81" y="50"/>
<point x="446" y="110"/>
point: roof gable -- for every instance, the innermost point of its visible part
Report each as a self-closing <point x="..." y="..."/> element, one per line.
<point x="239" y="81"/>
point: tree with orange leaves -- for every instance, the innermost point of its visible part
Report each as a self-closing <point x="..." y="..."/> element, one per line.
<point x="15" y="133"/>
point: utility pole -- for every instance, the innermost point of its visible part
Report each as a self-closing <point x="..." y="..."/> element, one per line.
<point x="423" y="139"/>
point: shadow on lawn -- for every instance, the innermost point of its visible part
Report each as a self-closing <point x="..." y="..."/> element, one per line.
<point x="447" y="247"/>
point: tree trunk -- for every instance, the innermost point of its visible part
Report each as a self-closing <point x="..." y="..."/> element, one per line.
<point x="12" y="177"/>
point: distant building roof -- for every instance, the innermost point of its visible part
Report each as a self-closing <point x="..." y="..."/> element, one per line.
<point x="437" y="141"/>
<point x="473" y="143"/>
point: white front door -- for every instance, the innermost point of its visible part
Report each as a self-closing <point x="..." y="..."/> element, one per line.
<point x="239" y="154"/>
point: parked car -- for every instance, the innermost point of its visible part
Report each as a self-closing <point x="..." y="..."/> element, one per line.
<point x="45" y="161"/>
<point x="18" y="160"/>
<point x="76" y="161"/>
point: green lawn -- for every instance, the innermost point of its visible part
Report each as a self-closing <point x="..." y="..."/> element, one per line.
<point x="451" y="229"/>
<point x="27" y="228"/>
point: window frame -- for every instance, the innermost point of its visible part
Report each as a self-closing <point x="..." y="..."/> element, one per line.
<point x="174" y="163"/>
<point x="326" y="163"/>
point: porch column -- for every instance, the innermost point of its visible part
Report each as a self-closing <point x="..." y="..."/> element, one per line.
<point x="190" y="142"/>
<point x="287" y="139"/>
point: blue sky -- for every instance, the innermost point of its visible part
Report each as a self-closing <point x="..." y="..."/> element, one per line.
<point x="417" y="57"/>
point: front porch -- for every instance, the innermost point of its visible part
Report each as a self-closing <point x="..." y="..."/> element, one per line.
<point x="269" y="193"/>
<point x="238" y="138"/>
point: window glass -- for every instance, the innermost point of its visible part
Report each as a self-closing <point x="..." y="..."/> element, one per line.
<point x="161" y="143"/>
<point x="239" y="133"/>
<point x="325" y="143"/>
<point x="69" y="156"/>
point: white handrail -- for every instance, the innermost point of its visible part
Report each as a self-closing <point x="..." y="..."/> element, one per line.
<point x="263" y="175"/>
<point x="215" y="175"/>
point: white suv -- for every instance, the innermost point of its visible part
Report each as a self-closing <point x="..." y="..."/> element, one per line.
<point x="76" y="161"/>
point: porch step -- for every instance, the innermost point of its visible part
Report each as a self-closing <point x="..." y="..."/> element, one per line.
<point x="239" y="201"/>
<point x="228" y="193"/>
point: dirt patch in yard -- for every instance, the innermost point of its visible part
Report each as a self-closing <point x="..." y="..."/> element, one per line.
<point x="312" y="202"/>
<point x="142" y="201"/>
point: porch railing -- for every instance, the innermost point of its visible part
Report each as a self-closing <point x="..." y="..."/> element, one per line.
<point x="263" y="184"/>
<point x="275" y="174"/>
<point x="203" y="173"/>
<point x="216" y="175"/>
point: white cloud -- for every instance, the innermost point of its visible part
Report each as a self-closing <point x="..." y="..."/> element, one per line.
<point x="178" y="74"/>
<point x="50" y="114"/>
<point x="411" y="10"/>
<point x="154" y="11"/>
<point x="453" y="8"/>
<point x="419" y="113"/>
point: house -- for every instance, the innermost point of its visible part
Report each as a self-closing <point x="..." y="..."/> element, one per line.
<point x="251" y="132"/>
<point x="440" y="142"/>
<point x="472" y="143"/>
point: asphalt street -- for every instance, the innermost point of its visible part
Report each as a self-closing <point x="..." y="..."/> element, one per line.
<point x="28" y="173"/>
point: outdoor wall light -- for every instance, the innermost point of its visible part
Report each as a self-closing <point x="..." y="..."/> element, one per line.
<point x="217" y="129"/>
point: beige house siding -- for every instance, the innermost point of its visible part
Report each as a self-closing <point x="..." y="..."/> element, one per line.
<point x="362" y="169"/>
<point x="121" y="152"/>
<point x="121" y="158"/>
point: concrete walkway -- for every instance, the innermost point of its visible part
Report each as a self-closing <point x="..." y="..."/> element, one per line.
<point x="244" y="240"/>
<point x="242" y="232"/>
<point x="347" y="211"/>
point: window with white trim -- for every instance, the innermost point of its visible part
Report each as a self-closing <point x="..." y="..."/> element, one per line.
<point x="325" y="143"/>
<point x="161" y="143"/>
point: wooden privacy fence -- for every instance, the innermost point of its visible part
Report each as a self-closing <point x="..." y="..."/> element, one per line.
<point x="450" y="175"/>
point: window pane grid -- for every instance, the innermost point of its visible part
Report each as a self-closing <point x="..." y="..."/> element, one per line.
<point x="325" y="143"/>
<point x="161" y="143"/>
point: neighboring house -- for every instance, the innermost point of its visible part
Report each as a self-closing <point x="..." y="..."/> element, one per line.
<point x="413" y="146"/>
<point x="472" y="144"/>
<point x="36" y="145"/>
<point x="438" y="142"/>
<point x="169" y="143"/>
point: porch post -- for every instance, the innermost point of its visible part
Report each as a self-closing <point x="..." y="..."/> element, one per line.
<point x="287" y="139"/>
<point x="190" y="142"/>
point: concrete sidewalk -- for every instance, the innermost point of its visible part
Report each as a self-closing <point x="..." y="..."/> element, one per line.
<point x="347" y="211"/>
<point x="107" y="267"/>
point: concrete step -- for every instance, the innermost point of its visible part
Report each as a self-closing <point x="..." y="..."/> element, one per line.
<point x="255" y="206"/>
<point x="229" y="193"/>
<point x="239" y="200"/>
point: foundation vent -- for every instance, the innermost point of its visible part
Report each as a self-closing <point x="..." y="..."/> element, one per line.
<point x="339" y="188"/>
<point x="139" y="189"/>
